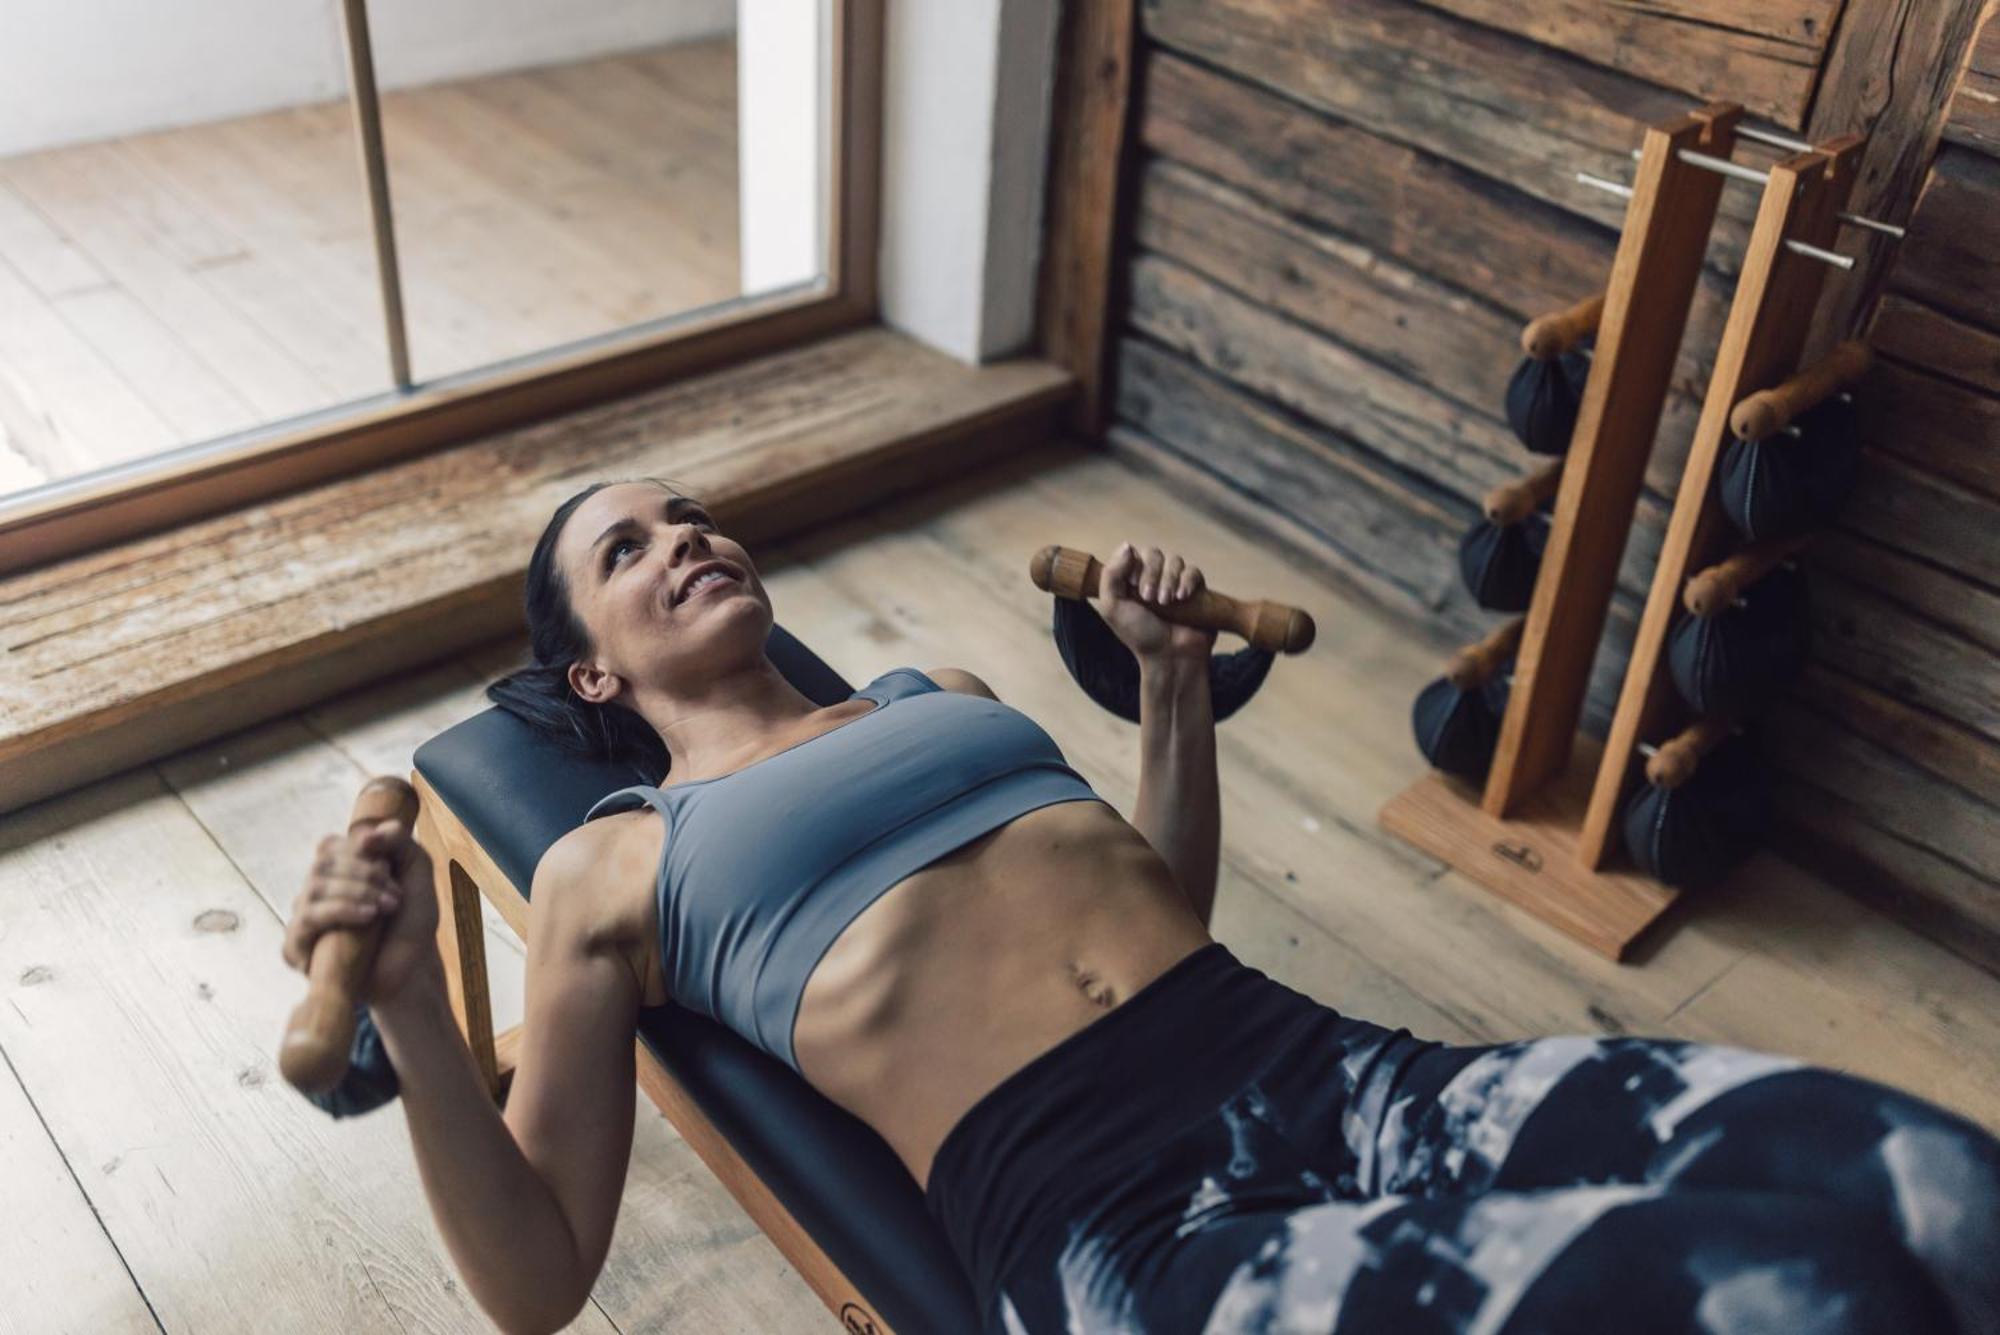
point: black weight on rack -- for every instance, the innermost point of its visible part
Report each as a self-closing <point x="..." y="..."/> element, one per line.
<point x="1795" y="479"/>
<point x="1689" y="824"/>
<point x="1738" y="661"/>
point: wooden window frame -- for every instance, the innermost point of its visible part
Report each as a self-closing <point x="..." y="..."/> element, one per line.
<point x="196" y="480"/>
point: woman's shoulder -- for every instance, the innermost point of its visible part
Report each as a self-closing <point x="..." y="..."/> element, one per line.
<point x="959" y="681"/>
<point x="599" y="878"/>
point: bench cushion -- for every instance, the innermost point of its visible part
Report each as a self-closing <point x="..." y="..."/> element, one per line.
<point x="517" y="793"/>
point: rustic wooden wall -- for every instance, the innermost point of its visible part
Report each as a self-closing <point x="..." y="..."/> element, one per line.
<point x="1338" y="215"/>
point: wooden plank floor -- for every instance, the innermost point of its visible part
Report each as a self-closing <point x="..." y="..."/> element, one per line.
<point x="176" y="286"/>
<point x="177" y="1183"/>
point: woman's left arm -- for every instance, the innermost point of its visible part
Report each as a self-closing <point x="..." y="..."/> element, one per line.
<point x="1179" y="807"/>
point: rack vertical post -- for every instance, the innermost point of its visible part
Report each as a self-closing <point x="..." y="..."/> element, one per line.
<point x="1653" y="278"/>
<point x="1769" y="320"/>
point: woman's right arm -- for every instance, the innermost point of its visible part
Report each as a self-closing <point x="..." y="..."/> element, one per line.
<point x="525" y="1202"/>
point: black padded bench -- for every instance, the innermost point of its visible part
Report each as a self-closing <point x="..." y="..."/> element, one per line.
<point x="826" y="1189"/>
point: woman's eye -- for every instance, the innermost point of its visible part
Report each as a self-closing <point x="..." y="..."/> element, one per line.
<point x="611" y="557"/>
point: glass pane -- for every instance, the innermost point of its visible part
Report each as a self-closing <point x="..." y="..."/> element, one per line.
<point x="184" y="250"/>
<point x="561" y="169"/>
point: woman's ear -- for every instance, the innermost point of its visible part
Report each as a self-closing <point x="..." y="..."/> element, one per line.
<point x="593" y="684"/>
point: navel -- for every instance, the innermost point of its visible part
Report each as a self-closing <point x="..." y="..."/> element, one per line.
<point x="1087" y="982"/>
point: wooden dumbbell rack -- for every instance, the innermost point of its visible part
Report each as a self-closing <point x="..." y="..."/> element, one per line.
<point x="1541" y="833"/>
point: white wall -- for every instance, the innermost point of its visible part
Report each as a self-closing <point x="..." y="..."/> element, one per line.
<point x="72" y="70"/>
<point x="966" y="91"/>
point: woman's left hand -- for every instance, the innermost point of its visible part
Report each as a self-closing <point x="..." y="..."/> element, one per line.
<point x="1138" y="584"/>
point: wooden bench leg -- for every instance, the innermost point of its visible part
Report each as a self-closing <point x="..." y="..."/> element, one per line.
<point x="461" y="938"/>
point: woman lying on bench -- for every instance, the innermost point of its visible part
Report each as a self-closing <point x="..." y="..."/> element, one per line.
<point x="911" y="899"/>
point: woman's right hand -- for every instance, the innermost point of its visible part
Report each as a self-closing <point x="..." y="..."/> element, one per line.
<point x="380" y="875"/>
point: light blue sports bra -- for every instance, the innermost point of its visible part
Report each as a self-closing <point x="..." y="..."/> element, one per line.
<point x="765" y="866"/>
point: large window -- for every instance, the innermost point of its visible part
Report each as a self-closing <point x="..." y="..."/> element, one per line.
<point x="250" y="244"/>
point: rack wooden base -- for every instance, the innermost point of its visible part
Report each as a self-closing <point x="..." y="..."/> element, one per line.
<point x="1530" y="859"/>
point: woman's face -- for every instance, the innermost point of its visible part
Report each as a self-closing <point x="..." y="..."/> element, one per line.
<point x="664" y="597"/>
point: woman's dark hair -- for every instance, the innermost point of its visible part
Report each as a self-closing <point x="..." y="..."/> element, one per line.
<point x="540" y="693"/>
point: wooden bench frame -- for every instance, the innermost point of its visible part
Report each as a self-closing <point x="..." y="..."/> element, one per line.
<point x="464" y="875"/>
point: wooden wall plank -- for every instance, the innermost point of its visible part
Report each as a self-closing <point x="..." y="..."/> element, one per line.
<point x="1828" y="832"/>
<point x="1422" y="329"/>
<point x="1934" y="423"/>
<point x="1310" y="195"/>
<point x="1951" y="752"/>
<point x="1766" y="57"/>
<point x="1896" y="796"/>
<point x="1490" y="101"/>
<point x="1973" y="118"/>
<point x="1456" y="342"/>
<point x="1095" y="45"/>
<point x="1888" y="72"/>
<point x="1877" y="640"/>
<point x="1948" y="260"/>
<point x="1416" y="432"/>
<point x="1407" y="424"/>
<point x="1941" y="596"/>
<point x="1480" y="236"/>
<point x="1927" y="516"/>
<point x="1396" y="540"/>
<point x="1918" y="335"/>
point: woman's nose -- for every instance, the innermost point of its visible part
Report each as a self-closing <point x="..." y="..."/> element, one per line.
<point x="685" y="542"/>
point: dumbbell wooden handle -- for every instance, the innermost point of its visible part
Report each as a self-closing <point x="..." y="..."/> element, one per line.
<point x="1511" y="502"/>
<point x="1069" y="573"/>
<point x="1771" y="410"/>
<point x="1474" y="665"/>
<point x="1711" y="591"/>
<point x="313" y="1054"/>
<point x="1550" y="336"/>
<point x="1675" y="760"/>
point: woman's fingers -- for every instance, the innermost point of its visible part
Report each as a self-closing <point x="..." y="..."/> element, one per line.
<point x="1118" y="571"/>
<point x="1150" y="574"/>
<point x="342" y="890"/>
<point x="1150" y="561"/>
<point x="325" y="915"/>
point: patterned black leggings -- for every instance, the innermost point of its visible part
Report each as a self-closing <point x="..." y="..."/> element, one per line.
<point x="1361" y="1181"/>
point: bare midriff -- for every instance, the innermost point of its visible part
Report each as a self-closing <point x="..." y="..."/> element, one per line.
<point x="962" y="974"/>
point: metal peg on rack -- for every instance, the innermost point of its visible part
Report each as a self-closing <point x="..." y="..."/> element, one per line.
<point x="1724" y="167"/>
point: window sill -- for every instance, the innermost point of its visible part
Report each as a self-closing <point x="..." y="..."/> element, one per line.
<point x="132" y="652"/>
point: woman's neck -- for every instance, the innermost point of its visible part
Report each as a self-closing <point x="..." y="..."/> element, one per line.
<point x="732" y="720"/>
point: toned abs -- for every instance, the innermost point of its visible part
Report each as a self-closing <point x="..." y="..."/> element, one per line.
<point x="962" y="974"/>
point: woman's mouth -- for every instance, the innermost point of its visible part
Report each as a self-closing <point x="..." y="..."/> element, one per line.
<point x="705" y="583"/>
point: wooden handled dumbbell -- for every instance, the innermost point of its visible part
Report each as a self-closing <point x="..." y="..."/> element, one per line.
<point x="313" y="1053"/>
<point x="1713" y="590"/>
<point x="1673" y="762"/>
<point x="1769" y="411"/>
<point x="1550" y="336"/>
<point x="1511" y="502"/>
<point x="1474" y="665"/>
<point x="1069" y="573"/>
